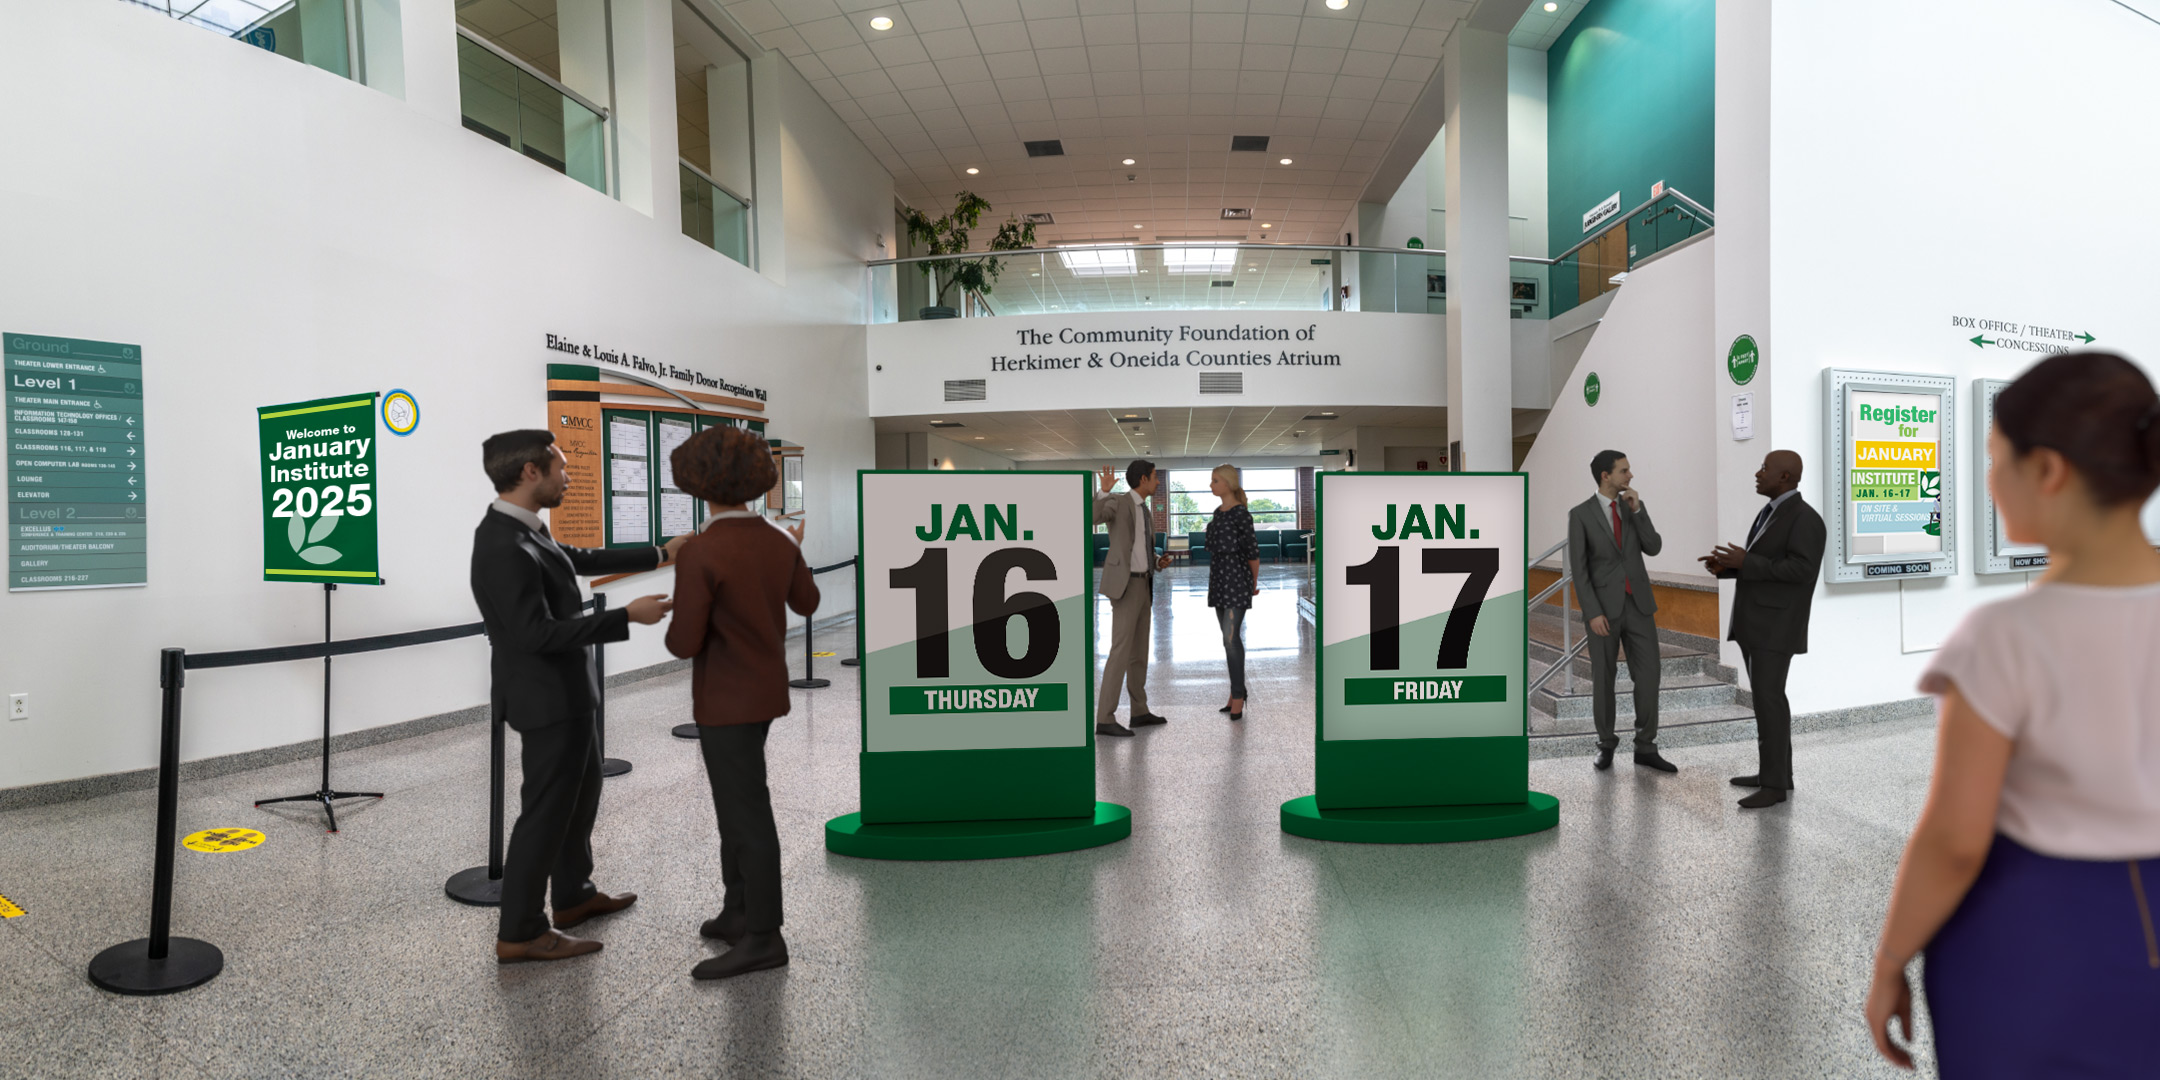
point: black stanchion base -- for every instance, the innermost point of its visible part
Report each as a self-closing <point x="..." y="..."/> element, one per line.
<point x="852" y="661"/>
<point x="613" y="766"/>
<point x="809" y="684"/>
<point x="686" y="731"/>
<point x="474" y="886"/>
<point x="326" y="797"/>
<point x="126" y="968"/>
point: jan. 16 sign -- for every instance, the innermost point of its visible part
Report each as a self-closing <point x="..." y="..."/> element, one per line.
<point x="320" y="490"/>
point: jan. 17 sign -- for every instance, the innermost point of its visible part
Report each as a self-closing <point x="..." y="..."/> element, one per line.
<point x="320" y="490"/>
<point x="977" y="646"/>
<point x="1421" y="622"/>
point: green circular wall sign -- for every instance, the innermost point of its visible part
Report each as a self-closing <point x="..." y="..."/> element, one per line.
<point x="1415" y="243"/>
<point x="1591" y="388"/>
<point x="1742" y="359"/>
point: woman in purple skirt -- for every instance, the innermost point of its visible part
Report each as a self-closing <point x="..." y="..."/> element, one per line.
<point x="2032" y="877"/>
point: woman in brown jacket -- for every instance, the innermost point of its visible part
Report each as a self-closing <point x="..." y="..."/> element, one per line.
<point x="731" y="584"/>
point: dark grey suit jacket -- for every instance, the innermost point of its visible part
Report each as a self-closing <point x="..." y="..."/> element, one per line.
<point x="540" y="639"/>
<point x="1604" y="571"/>
<point x="1777" y="580"/>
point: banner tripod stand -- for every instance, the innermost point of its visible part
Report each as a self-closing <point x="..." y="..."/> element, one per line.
<point x="325" y="794"/>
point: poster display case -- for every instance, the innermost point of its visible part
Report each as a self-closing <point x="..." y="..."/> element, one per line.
<point x="1890" y="444"/>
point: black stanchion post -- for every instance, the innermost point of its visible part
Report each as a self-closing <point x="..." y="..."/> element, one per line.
<point x="608" y="766"/>
<point x="856" y="660"/>
<point x="161" y="963"/>
<point x="809" y="681"/>
<point x="481" y="886"/>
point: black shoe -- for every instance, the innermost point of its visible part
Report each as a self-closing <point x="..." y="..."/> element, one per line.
<point x="1765" y="797"/>
<point x="1113" y="728"/>
<point x="1755" y="780"/>
<point x="1604" y="757"/>
<point x="1225" y="708"/>
<point x="730" y="926"/>
<point x="757" y="952"/>
<point x="1649" y="759"/>
<point x="1147" y="720"/>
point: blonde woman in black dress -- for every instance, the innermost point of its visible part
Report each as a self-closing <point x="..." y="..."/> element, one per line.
<point x="1233" y="575"/>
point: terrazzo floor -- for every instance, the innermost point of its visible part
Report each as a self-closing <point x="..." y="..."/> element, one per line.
<point x="1659" y="931"/>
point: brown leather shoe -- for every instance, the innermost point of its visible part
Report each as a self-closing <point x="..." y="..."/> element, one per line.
<point x="600" y="904"/>
<point x="552" y="945"/>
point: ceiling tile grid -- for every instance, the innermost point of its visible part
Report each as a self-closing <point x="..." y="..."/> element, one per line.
<point x="960" y="84"/>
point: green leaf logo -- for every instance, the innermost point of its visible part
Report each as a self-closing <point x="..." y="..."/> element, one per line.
<point x="1931" y="485"/>
<point x="300" y="536"/>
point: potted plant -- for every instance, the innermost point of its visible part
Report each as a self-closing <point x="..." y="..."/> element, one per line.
<point x="948" y="235"/>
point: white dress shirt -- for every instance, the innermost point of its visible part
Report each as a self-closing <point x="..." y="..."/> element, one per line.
<point x="532" y="521"/>
<point x="1142" y="534"/>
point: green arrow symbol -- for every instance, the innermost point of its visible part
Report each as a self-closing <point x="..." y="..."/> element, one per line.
<point x="1979" y="340"/>
<point x="2088" y="338"/>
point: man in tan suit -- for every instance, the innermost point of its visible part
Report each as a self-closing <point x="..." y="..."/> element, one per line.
<point x="1128" y="579"/>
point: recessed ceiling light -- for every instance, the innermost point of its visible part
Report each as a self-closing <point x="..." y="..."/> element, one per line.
<point x="1136" y="226"/>
<point x="1128" y="161"/>
<point x="1267" y="225"/>
<point x="883" y="23"/>
<point x="978" y="438"/>
<point x="1552" y="6"/>
<point x="1037" y="273"/>
<point x="1337" y="5"/>
<point x="1286" y="161"/>
<point x="972" y="170"/>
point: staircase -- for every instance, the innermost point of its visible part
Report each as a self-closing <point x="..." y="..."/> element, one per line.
<point x="1693" y="687"/>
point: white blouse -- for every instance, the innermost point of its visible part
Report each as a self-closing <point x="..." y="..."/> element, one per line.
<point x="2068" y="673"/>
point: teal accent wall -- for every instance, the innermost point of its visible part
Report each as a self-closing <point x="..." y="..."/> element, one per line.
<point x="1631" y="99"/>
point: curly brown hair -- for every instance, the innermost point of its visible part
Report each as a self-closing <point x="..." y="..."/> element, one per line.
<point x="725" y="465"/>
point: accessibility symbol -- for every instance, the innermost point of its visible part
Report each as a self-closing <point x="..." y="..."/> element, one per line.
<point x="219" y="841"/>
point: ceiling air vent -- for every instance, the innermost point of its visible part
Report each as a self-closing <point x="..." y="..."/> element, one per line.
<point x="967" y="390"/>
<point x="1038" y="219"/>
<point x="1255" y="143"/>
<point x="1054" y="148"/>
<point x="947" y="423"/>
<point x="1320" y="416"/>
<point x="1237" y="213"/>
<point x="1227" y="283"/>
<point x="1222" y="382"/>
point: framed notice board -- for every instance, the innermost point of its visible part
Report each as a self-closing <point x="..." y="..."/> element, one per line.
<point x="1890" y="441"/>
<point x="977" y="645"/>
<point x="1997" y="554"/>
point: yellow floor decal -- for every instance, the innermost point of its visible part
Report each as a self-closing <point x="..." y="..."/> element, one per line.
<point x="9" y="909"/>
<point x="217" y="841"/>
<point x="824" y="654"/>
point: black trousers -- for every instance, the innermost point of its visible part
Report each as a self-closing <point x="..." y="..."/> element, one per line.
<point x="552" y="840"/>
<point x="1232" y="620"/>
<point x="749" y="840"/>
<point x="1773" y="713"/>
<point x="1638" y="632"/>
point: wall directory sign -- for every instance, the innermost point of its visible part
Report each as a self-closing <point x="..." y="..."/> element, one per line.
<point x="976" y="624"/>
<point x="320" y="490"/>
<point x="1890" y="442"/>
<point x="78" y="464"/>
<point x="1423" y="711"/>
<point x="1997" y="554"/>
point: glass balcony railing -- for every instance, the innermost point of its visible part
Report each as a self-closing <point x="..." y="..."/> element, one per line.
<point x="310" y="31"/>
<point x="714" y="216"/>
<point x="517" y="106"/>
<point x="1601" y="262"/>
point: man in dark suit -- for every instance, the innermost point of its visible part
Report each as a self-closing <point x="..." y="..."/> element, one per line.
<point x="1608" y="535"/>
<point x="545" y="686"/>
<point x="1776" y="570"/>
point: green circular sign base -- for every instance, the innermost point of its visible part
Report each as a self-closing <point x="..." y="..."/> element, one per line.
<point x="922" y="840"/>
<point x="1302" y="816"/>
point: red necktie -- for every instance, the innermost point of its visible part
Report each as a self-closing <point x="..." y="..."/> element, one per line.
<point x="1616" y="541"/>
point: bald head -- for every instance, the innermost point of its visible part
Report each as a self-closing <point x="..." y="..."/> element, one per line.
<point x="1780" y="473"/>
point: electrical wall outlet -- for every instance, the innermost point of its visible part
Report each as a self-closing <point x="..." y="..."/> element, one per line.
<point x="18" y="706"/>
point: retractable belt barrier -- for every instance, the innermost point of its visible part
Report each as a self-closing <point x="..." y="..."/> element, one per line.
<point x="164" y="964"/>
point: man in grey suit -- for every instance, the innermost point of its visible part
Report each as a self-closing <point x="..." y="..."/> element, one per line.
<point x="1128" y="579"/>
<point x="1776" y="572"/>
<point x="1608" y="535"/>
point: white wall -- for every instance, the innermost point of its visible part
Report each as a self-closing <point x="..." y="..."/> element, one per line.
<point x="1649" y="353"/>
<point x="267" y="232"/>
<point x="2003" y="110"/>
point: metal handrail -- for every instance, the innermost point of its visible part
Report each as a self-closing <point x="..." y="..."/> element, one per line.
<point x="1566" y="658"/>
<point x="1622" y="219"/>
<point x="553" y="82"/>
<point x="1569" y="648"/>
<point x="717" y="185"/>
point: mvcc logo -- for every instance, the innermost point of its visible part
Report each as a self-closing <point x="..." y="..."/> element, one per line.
<point x="583" y="423"/>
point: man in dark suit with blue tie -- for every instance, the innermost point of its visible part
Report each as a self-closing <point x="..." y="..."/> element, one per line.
<point x="1776" y="572"/>
<point x="1608" y="535"/>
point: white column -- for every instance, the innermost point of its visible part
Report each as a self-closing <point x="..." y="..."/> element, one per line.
<point x="581" y="40"/>
<point x="1741" y="304"/>
<point x="1474" y="88"/>
<point x="382" y="45"/>
<point x="644" y="109"/>
<point x="428" y="33"/>
<point x="771" y="78"/>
